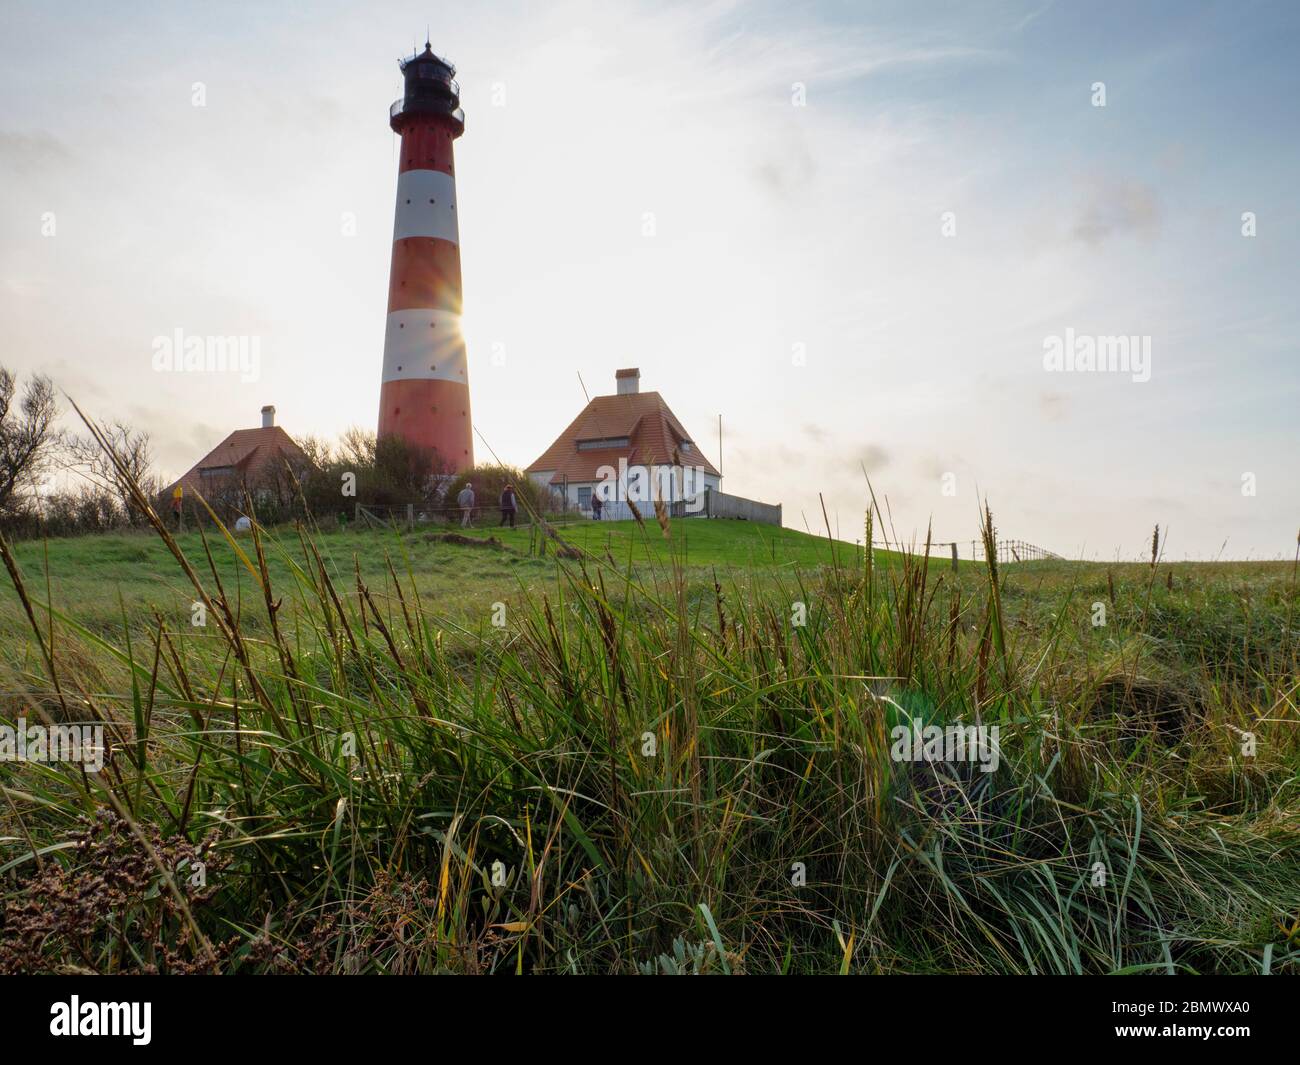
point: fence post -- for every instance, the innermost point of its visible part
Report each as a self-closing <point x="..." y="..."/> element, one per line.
<point x="954" y="556"/>
<point x="410" y="516"/>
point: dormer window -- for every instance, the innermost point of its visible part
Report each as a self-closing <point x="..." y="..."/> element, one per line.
<point x="604" y="443"/>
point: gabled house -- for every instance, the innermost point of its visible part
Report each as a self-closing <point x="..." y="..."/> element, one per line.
<point x="248" y="459"/>
<point x="628" y="445"/>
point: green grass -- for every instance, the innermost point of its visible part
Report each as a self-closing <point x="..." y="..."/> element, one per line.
<point x="697" y="542"/>
<point x="629" y="772"/>
<point x="101" y="573"/>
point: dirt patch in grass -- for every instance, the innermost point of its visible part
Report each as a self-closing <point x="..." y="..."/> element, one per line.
<point x="490" y="542"/>
<point x="1139" y="704"/>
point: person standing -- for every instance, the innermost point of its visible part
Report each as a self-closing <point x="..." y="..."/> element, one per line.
<point x="597" y="505"/>
<point x="508" y="505"/>
<point x="466" y="501"/>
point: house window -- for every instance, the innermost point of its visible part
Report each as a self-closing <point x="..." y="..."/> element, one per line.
<point x="603" y="443"/>
<point x="584" y="498"/>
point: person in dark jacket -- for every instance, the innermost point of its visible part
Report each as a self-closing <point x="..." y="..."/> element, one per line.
<point x="508" y="505"/>
<point x="597" y="505"/>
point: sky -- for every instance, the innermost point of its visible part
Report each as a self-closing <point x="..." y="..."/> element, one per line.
<point x="853" y="230"/>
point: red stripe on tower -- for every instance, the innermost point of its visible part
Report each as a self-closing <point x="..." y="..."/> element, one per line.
<point x="424" y="398"/>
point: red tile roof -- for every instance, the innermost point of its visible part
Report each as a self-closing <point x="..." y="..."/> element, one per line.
<point x="253" y="455"/>
<point x="654" y="437"/>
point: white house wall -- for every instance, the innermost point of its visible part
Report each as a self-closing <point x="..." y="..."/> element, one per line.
<point x="616" y="508"/>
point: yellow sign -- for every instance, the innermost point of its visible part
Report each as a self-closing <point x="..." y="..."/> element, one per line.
<point x="178" y="492"/>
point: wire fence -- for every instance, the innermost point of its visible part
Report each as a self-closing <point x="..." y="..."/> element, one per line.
<point x="1015" y="551"/>
<point x="412" y="515"/>
<point x="1008" y="551"/>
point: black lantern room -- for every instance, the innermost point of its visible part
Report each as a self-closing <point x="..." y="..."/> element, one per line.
<point x="431" y="89"/>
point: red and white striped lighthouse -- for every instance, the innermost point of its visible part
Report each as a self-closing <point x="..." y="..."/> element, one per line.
<point x="424" y="398"/>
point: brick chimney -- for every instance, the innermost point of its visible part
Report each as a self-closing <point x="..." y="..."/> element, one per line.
<point x="268" y="416"/>
<point x="628" y="381"/>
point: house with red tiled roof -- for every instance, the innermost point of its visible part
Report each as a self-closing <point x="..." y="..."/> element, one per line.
<point x="248" y="459"/>
<point x="626" y="446"/>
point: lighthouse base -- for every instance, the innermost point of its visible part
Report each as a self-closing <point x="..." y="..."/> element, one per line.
<point x="430" y="414"/>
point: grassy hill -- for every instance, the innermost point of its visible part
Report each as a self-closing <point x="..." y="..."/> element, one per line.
<point x="395" y="753"/>
<point x="102" y="575"/>
<point x="696" y="541"/>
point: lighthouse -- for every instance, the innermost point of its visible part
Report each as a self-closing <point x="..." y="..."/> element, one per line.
<point x="424" y="398"/>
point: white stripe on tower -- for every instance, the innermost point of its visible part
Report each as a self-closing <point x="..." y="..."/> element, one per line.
<point x="426" y="206"/>
<point x="424" y="344"/>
